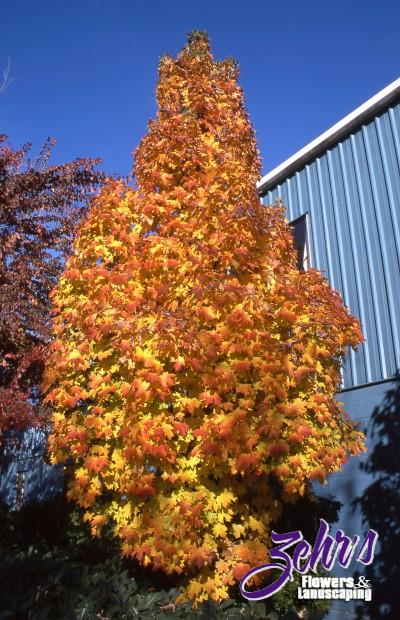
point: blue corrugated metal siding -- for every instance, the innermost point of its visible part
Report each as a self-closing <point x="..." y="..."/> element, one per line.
<point x="352" y="195"/>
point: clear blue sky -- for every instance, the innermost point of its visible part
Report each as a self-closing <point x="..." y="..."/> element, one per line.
<point x="86" y="69"/>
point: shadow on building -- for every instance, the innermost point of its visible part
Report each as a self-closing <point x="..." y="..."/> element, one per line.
<point x="380" y="507"/>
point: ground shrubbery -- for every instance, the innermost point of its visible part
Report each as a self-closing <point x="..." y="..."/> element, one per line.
<point x="52" y="568"/>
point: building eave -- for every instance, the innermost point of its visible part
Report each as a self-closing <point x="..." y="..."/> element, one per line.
<point x="344" y="127"/>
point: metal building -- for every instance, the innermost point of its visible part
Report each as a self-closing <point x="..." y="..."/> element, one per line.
<point x="342" y="195"/>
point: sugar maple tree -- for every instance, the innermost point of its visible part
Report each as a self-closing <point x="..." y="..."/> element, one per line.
<point x="40" y="206"/>
<point x="194" y="367"/>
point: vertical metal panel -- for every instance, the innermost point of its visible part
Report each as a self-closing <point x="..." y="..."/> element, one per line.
<point x="294" y="198"/>
<point x="302" y="193"/>
<point x="360" y="303"/>
<point x="328" y="217"/>
<point x="316" y="215"/>
<point x="352" y="195"/>
<point x="345" y="257"/>
<point x="390" y="288"/>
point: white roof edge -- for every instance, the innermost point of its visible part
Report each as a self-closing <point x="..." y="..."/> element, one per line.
<point x="355" y="118"/>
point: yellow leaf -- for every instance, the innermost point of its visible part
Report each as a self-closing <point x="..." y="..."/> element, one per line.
<point x="256" y="525"/>
<point x="220" y="530"/>
<point x="238" y="530"/>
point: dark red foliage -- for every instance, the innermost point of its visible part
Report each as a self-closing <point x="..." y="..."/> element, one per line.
<point x="40" y="207"/>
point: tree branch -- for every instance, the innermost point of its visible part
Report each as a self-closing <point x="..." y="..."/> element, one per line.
<point x="7" y="79"/>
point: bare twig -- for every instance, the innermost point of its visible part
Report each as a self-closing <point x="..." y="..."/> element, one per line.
<point x="168" y="607"/>
<point x="7" y="79"/>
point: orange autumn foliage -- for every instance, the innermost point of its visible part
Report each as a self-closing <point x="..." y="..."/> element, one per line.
<point x="193" y="364"/>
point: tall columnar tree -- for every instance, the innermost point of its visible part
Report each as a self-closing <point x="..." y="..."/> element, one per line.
<point x="40" y="206"/>
<point x="194" y="367"/>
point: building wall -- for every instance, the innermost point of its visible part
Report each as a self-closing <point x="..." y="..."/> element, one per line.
<point x="25" y="474"/>
<point x="366" y="487"/>
<point x="351" y="193"/>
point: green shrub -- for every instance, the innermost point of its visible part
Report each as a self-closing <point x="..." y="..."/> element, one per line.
<point x="52" y="569"/>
